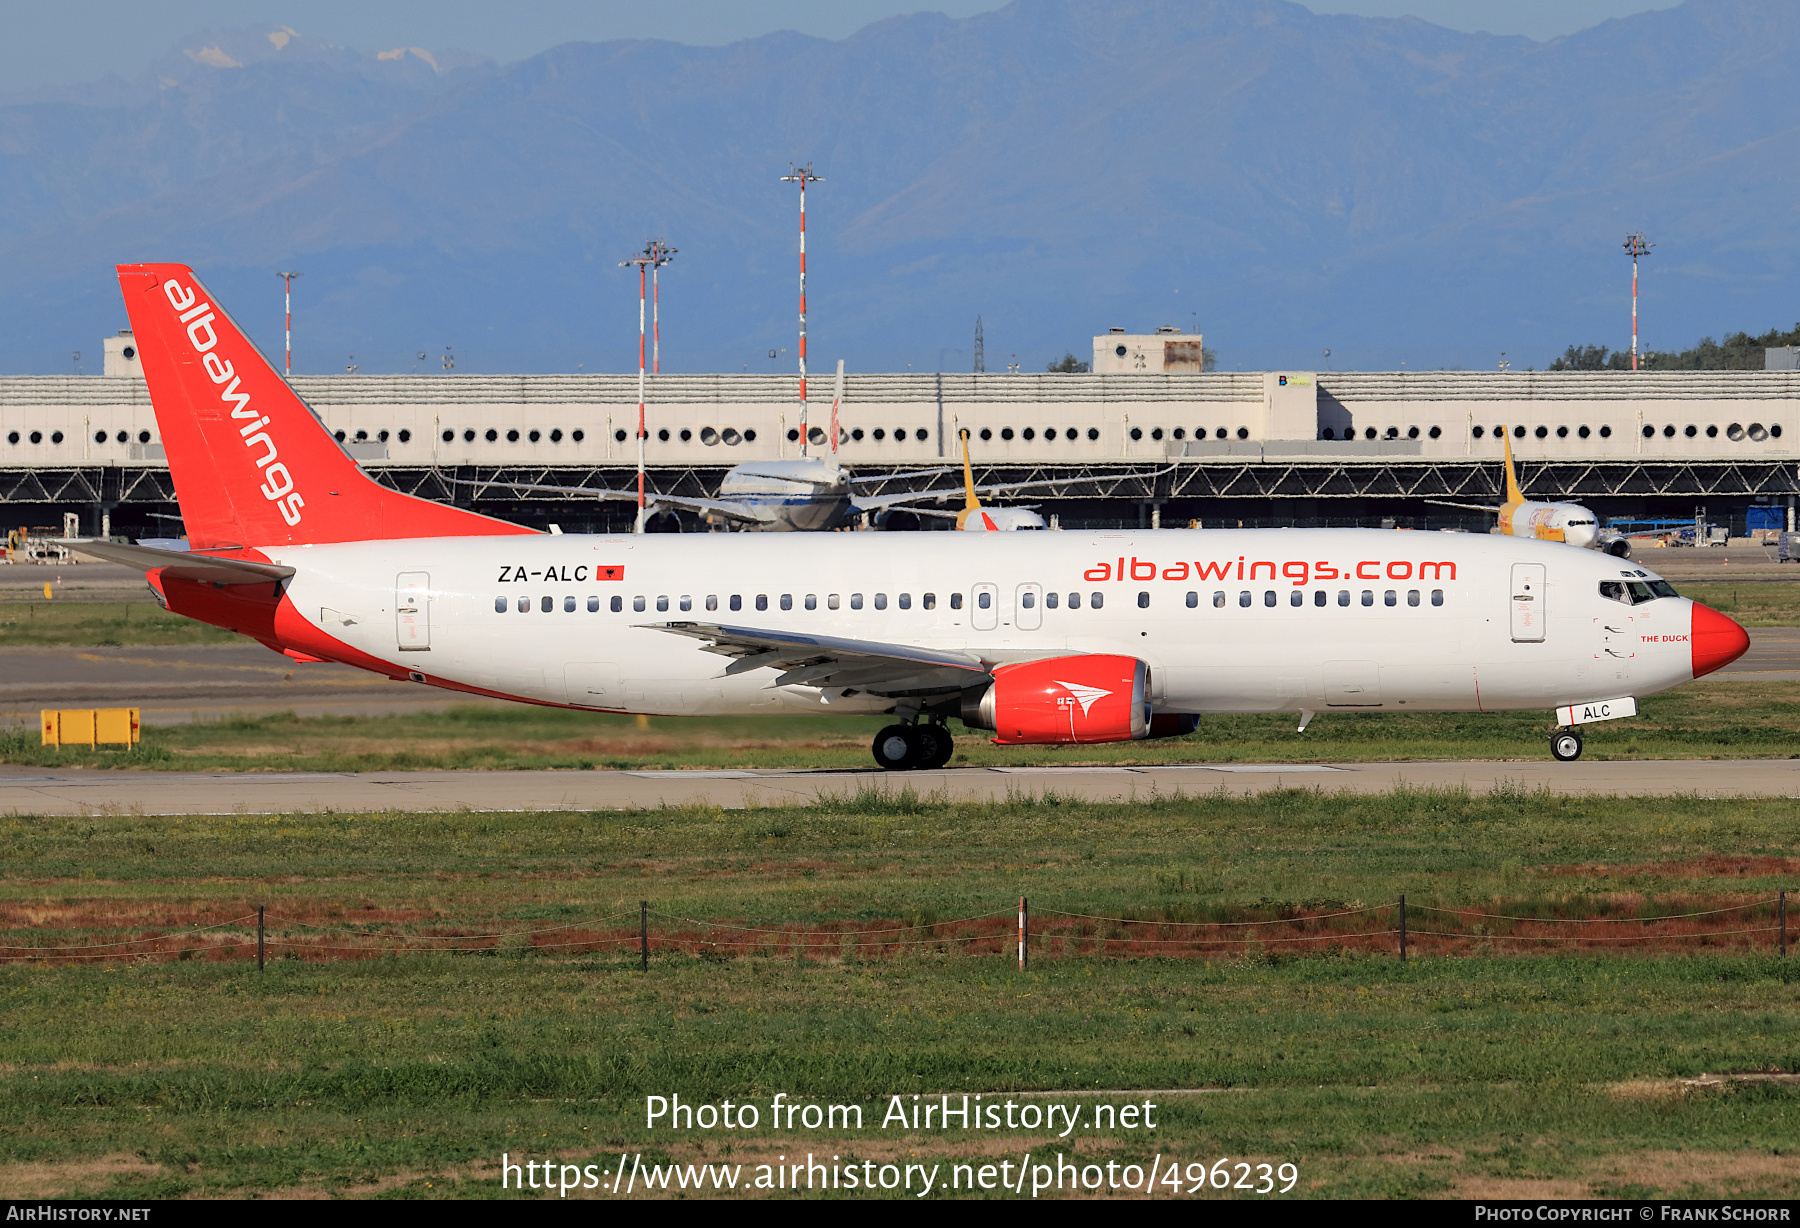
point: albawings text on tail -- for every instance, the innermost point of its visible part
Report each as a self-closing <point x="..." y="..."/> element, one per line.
<point x="278" y="483"/>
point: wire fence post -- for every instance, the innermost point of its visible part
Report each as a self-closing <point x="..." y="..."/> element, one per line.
<point x="1403" y="927"/>
<point x="1784" y="925"/>
<point x="644" y="935"/>
<point x="259" y="937"/>
<point x="1024" y="933"/>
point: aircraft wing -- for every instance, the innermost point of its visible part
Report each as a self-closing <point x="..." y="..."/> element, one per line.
<point x="1473" y="507"/>
<point x="716" y="507"/>
<point x="181" y="564"/>
<point x="829" y="661"/>
<point x="898" y="498"/>
<point x="916" y="473"/>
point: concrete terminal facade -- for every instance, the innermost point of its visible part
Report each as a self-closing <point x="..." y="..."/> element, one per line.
<point x="1196" y="445"/>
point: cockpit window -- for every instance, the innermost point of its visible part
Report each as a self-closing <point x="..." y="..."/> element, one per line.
<point x="1636" y="592"/>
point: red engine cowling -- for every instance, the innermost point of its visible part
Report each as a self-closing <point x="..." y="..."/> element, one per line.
<point x="1098" y="698"/>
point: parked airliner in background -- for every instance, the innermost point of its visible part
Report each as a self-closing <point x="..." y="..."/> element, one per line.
<point x="1043" y="638"/>
<point x="1569" y="523"/>
<point x="806" y="494"/>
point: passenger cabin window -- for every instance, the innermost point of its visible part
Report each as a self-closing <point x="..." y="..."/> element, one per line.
<point x="1074" y="601"/>
<point x="906" y="601"/>
<point x="1096" y="600"/>
<point x="1269" y="597"/>
<point x="1296" y="598"/>
<point x="712" y="601"/>
<point x="1244" y="599"/>
<point x="1343" y="596"/>
<point x="1052" y="600"/>
<point x="524" y="604"/>
<point x="787" y="601"/>
<point x="1390" y="598"/>
<point x="881" y="601"/>
<point x="1193" y="601"/>
<point x="500" y="604"/>
<point x="856" y="601"/>
<point x="984" y="600"/>
<point x="547" y="604"/>
<point x="687" y="603"/>
<point x="1437" y="596"/>
<point x="1218" y="601"/>
<point x="812" y="601"/>
<point x="1028" y="599"/>
<point x="662" y="605"/>
<point x="618" y="604"/>
<point x="1412" y="596"/>
<point x="1319" y="597"/>
<point x="1143" y="601"/>
<point x="737" y="601"/>
<point x="831" y="601"/>
<point x="637" y="604"/>
<point x="1368" y="596"/>
<point x="568" y="605"/>
<point x="956" y="601"/>
<point x="929" y="601"/>
<point x="593" y="605"/>
<point x="762" y="601"/>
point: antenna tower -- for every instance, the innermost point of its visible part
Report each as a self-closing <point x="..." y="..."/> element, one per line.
<point x="660" y="253"/>
<point x="1635" y="246"/>
<point x="980" y="349"/>
<point x="642" y="262"/>
<point x="287" y="295"/>
<point x="802" y="176"/>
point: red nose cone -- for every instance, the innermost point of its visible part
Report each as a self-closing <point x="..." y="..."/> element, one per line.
<point x="1717" y="640"/>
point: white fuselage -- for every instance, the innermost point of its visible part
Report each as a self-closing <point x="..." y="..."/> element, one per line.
<point x="1408" y="621"/>
<point x="788" y="496"/>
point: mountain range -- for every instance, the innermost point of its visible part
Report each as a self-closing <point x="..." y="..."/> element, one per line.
<point x="1286" y="182"/>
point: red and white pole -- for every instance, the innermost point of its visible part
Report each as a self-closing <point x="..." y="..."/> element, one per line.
<point x="802" y="176"/>
<point x="1634" y="275"/>
<point x="287" y="296"/>
<point x="655" y="310"/>
<point x="642" y="434"/>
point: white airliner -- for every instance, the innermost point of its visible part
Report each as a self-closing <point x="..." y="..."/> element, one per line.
<point x="1044" y="638"/>
<point x="810" y="493"/>
<point x="1569" y="523"/>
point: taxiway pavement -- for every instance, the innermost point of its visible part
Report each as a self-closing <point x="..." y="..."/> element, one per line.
<point x="37" y="791"/>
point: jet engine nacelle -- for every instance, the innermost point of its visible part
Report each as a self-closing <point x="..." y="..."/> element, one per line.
<point x="1097" y="698"/>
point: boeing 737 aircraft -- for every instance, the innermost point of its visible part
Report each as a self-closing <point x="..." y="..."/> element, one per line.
<point x="1570" y="523"/>
<point x="1042" y="638"/>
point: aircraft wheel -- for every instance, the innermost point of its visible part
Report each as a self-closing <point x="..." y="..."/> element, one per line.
<point x="897" y="748"/>
<point x="1565" y="745"/>
<point x="935" y="745"/>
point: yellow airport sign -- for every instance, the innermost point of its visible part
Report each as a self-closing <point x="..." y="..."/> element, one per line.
<point x="90" y="726"/>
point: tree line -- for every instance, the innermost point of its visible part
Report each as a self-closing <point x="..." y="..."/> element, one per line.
<point x="1737" y="352"/>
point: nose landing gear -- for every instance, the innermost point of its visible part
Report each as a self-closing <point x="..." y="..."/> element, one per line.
<point x="901" y="748"/>
<point x="1565" y="745"/>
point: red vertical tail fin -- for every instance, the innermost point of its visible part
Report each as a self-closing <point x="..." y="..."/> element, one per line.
<point x="253" y="465"/>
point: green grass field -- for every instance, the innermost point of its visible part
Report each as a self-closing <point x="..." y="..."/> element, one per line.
<point x="1495" y="1073"/>
<point x="1753" y="604"/>
<point x="1723" y="720"/>
<point x="90" y="624"/>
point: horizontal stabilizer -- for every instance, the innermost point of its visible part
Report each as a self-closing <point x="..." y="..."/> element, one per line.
<point x="182" y="565"/>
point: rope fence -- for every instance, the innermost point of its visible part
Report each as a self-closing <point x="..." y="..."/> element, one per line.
<point x="1373" y="928"/>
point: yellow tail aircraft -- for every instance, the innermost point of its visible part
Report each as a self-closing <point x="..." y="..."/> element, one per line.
<point x="1550" y="522"/>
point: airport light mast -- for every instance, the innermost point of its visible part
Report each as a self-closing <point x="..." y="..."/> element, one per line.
<point x="1635" y="246"/>
<point x="287" y="295"/>
<point x="660" y="253"/>
<point x="802" y="176"/>
<point x="642" y="262"/>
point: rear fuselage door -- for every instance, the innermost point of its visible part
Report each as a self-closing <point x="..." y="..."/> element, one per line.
<point x="1528" y="603"/>
<point x="986" y="614"/>
<point x="1028" y="614"/>
<point x="412" y="611"/>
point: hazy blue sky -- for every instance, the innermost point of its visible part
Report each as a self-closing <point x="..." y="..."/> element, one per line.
<point x="70" y="41"/>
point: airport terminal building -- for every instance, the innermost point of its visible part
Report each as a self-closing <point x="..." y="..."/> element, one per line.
<point x="1139" y="446"/>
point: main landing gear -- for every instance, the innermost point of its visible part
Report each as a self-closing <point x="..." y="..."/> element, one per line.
<point x="900" y="748"/>
<point x="1565" y="745"/>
